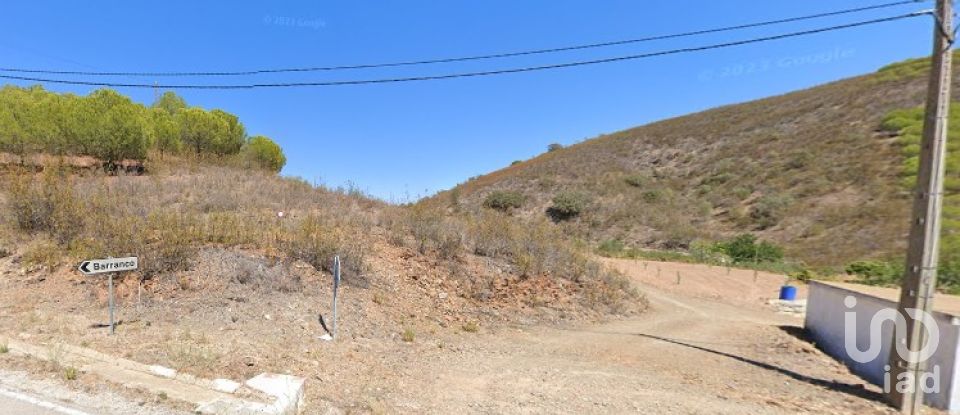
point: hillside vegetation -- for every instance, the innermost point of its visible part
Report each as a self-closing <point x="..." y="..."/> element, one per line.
<point x="112" y="128"/>
<point x="818" y="172"/>
<point x="907" y="125"/>
<point x="207" y="190"/>
<point x="176" y="213"/>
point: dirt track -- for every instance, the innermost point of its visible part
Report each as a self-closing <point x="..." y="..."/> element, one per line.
<point x="685" y="355"/>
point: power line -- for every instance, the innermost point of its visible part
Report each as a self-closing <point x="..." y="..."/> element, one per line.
<point x="477" y="57"/>
<point x="475" y="74"/>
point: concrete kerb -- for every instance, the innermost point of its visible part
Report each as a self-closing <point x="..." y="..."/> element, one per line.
<point x="218" y="396"/>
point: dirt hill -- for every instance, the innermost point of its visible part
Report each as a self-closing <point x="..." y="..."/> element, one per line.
<point x="811" y="170"/>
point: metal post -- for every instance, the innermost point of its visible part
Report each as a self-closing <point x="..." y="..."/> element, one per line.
<point x="920" y="280"/>
<point x="336" y="285"/>
<point x="110" y="302"/>
<point x="678" y="277"/>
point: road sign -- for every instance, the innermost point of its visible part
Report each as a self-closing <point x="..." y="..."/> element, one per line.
<point x="109" y="266"/>
<point x="102" y="266"/>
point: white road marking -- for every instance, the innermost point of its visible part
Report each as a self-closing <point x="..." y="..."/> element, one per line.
<point x="43" y="404"/>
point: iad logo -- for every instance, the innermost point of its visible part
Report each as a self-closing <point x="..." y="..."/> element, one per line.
<point x="930" y="380"/>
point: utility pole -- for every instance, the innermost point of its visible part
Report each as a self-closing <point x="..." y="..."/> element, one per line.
<point x="920" y="280"/>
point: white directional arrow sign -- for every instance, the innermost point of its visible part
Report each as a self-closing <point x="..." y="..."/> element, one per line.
<point x="102" y="266"/>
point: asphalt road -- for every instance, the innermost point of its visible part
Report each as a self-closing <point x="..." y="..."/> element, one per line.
<point x="22" y="404"/>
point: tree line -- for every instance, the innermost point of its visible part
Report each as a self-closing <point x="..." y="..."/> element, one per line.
<point x="112" y="128"/>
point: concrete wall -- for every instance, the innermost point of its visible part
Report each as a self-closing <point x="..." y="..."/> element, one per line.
<point x="825" y="323"/>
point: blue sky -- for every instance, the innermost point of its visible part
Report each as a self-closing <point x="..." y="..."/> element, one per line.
<point x="400" y="141"/>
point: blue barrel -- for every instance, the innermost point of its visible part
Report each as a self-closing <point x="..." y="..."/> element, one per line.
<point x="788" y="292"/>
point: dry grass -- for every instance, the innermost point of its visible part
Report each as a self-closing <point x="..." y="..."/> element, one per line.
<point x="173" y="218"/>
<point x="167" y="219"/>
<point x="70" y="373"/>
<point x="408" y="335"/>
<point x="471" y="327"/>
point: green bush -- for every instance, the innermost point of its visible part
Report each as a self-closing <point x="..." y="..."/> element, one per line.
<point x="909" y="124"/>
<point x="554" y="147"/>
<point x="949" y="275"/>
<point x="567" y="205"/>
<point x="637" y="180"/>
<point x="875" y="272"/>
<point x="264" y="153"/>
<point x="707" y="253"/>
<point x="742" y="192"/>
<point x="503" y="200"/>
<point x="611" y="247"/>
<point x="803" y="275"/>
<point x="745" y="249"/>
<point x="170" y="103"/>
<point x="120" y="127"/>
<point x="110" y="126"/>
<point x="232" y="138"/>
<point x="904" y="69"/>
<point x="166" y="132"/>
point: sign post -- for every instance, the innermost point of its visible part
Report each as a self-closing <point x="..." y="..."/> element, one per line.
<point x="110" y="266"/>
<point x="110" y="303"/>
<point x="336" y="285"/>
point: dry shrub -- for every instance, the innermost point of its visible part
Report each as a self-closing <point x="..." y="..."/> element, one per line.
<point x="424" y="225"/>
<point x="533" y="247"/>
<point x="431" y="230"/>
<point x="232" y="229"/>
<point x="450" y="239"/>
<point x="253" y="271"/>
<point x="313" y="242"/>
<point x="393" y="221"/>
<point x="316" y="240"/>
<point x="185" y="354"/>
<point x="43" y="253"/>
<point x="47" y="205"/>
<point x="613" y="293"/>
<point x="169" y="245"/>
<point x="166" y="219"/>
<point x="492" y="235"/>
